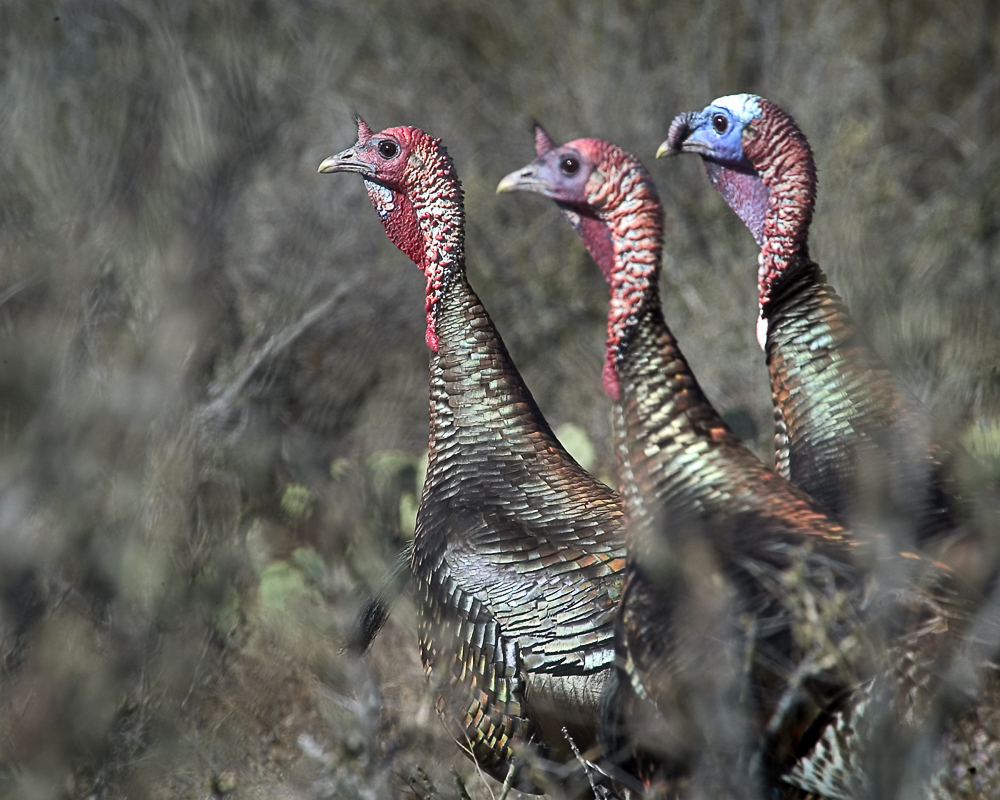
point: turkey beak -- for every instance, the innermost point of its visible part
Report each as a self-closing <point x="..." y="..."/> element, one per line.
<point x="690" y="145"/>
<point x="666" y="151"/>
<point x="347" y="161"/>
<point x="525" y="179"/>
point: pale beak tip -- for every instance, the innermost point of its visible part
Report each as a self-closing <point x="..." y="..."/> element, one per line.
<point x="508" y="184"/>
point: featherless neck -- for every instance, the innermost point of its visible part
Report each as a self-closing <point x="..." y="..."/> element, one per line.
<point x="441" y="220"/>
<point x="426" y="220"/>
<point x="784" y="161"/>
<point x="633" y="218"/>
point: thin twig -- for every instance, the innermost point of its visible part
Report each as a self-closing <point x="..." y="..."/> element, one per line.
<point x="587" y="766"/>
<point x="278" y="343"/>
<point x="14" y="291"/>
<point x="508" y="782"/>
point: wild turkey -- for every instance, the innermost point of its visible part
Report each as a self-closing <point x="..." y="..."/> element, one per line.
<point x="518" y="553"/>
<point x="841" y="419"/>
<point x="722" y="550"/>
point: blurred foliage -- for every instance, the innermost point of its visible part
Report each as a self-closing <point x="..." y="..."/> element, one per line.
<point x="212" y="394"/>
<point x="983" y="442"/>
<point x="577" y="444"/>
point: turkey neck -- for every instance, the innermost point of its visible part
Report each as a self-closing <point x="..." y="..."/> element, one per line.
<point x="785" y="166"/>
<point x="483" y="420"/>
<point x="673" y="449"/>
<point x="827" y="386"/>
<point x="832" y="396"/>
<point x="480" y="409"/>
<point x="823" y="374"/>
<point x="676" y="455"/>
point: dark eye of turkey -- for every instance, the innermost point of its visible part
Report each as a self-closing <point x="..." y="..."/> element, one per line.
<point x="569" y="165"/>
<point x="720" y="123"/>
<point x="388" y="149"/>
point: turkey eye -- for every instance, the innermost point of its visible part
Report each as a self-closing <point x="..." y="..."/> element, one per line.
<point x="569" y="165"/>
<point x="388" y="149"/>
<point x="720" y="123"/>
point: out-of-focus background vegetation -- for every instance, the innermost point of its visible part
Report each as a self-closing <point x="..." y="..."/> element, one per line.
<point x="212" y="368"/>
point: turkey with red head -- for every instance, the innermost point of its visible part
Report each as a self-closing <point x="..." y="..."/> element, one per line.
<point x="843" y="424"/>
<point x="740" y="589"/>
<point x="518" y="552"/>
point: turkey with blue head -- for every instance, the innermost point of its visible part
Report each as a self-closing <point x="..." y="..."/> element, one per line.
<point x="843" y="423"/>
<point x="846" y="431"/>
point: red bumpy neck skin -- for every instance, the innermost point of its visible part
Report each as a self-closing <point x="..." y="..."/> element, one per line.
<point x="621" y="194"/>
<point x="782" y="157"/>
<point x="422" y="212"/>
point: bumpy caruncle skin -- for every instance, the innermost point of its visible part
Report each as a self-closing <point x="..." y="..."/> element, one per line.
<point x="411" y="182"/>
